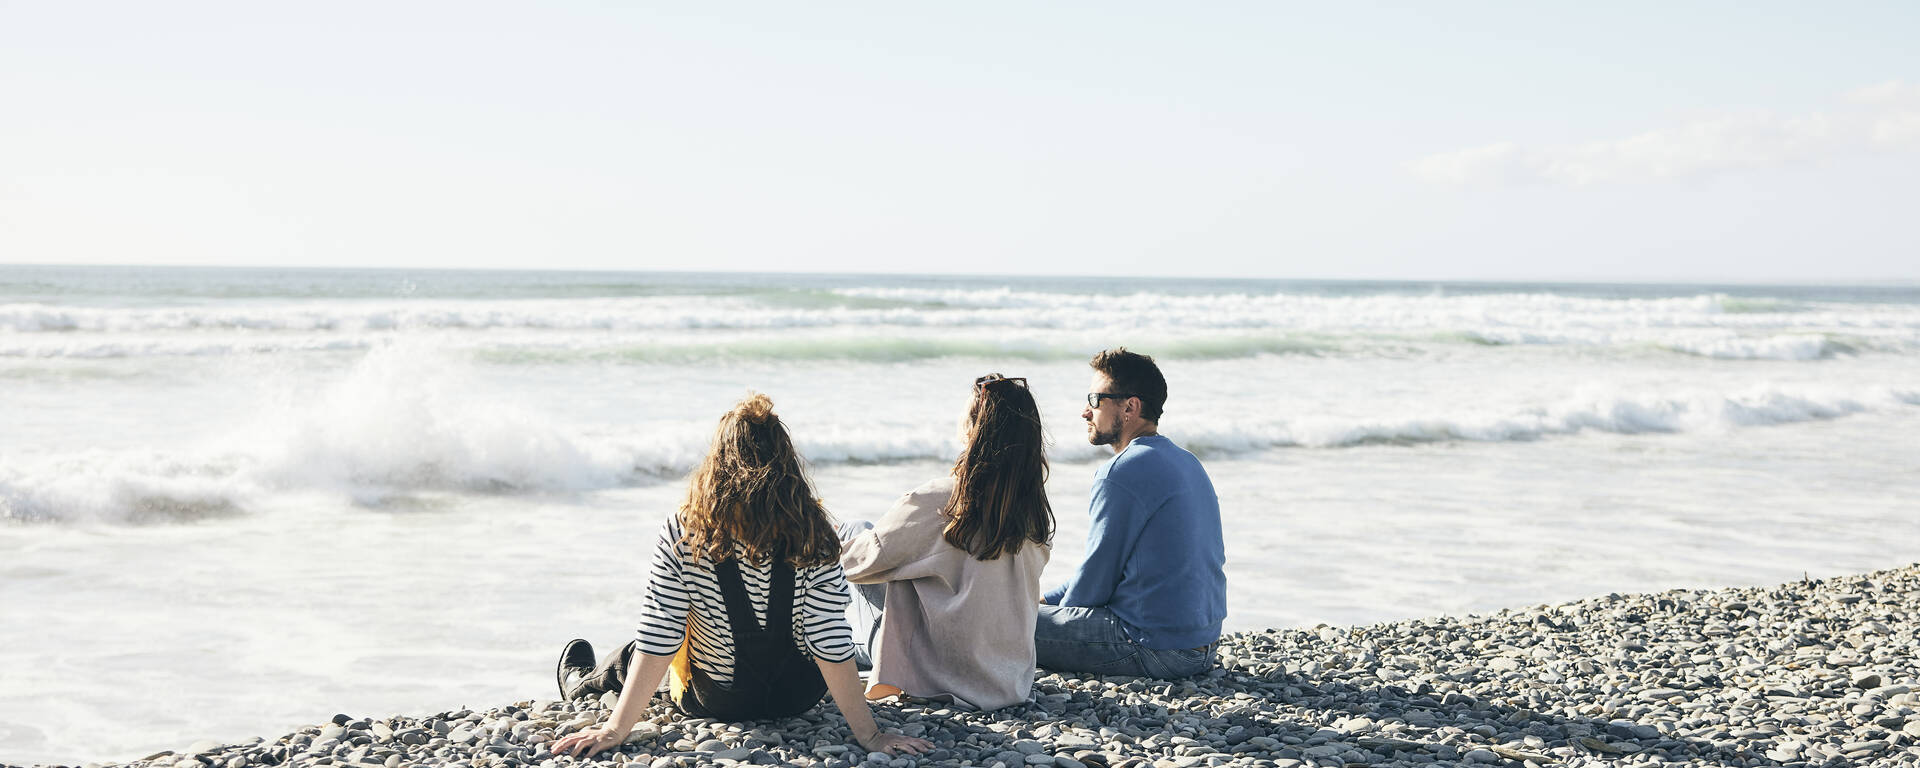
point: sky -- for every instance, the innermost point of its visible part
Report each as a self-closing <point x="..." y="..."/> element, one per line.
<point x="1658" y="141"/>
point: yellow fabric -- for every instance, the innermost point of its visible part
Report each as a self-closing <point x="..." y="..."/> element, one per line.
<point x="680" y="672"/>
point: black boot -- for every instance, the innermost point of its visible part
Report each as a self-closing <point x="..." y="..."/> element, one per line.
<point x="575" y="671"/>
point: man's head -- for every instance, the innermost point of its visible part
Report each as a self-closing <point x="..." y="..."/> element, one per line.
<point x="1125" y="398"/>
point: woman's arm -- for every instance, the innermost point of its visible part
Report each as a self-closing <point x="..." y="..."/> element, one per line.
<point x="900" y="537"/>
<point x="642" y="681"/>
<point x="843" y="682"/>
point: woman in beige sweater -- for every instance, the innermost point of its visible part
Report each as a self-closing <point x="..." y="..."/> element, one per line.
<point x="960" y="558"/>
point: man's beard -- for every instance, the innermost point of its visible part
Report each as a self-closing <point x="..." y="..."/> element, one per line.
<point x="1096" y="437"/>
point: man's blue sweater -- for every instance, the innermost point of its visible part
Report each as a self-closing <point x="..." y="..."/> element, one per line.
<point x="1154" y="549"/>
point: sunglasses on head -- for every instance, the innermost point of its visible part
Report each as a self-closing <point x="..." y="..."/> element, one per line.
<point x="981" y="384"/>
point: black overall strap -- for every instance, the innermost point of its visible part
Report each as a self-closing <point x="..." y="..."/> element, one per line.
<point x="771" y="676"/>
<point x="780" y="594"/>
<point x="740" y="606"/>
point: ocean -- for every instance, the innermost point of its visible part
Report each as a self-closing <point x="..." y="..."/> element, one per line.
<point x="233" y="501"/>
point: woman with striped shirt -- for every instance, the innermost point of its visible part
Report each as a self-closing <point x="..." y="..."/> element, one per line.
<point x="745" y="603"/>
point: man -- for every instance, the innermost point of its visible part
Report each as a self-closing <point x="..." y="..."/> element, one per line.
<point x="1150" y="595"/>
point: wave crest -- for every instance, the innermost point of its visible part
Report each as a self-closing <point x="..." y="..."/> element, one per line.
<point x="403" y="424"/>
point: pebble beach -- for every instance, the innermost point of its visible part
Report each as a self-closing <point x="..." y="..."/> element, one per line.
<point x="1806" y="673"/>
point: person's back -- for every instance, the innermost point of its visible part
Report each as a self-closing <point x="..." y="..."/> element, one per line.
<point x="1150" y="596"/>
<point x="960" y="558"/>
<point x="951" y="627"/>
<point x="1170" y="588"/>
<point x="690" y="597"/>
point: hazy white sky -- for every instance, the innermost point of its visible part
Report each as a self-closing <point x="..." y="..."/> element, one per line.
<point x="1742" y="141"/>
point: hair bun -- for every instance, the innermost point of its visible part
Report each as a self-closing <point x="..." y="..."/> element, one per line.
<point x="756" y="408"/>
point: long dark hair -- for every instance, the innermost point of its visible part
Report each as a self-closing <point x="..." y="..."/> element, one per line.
<point x="1000" y="481"/>
<point x="751" y="496"/>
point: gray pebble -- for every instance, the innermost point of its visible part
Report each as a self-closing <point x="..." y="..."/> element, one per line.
<point x="1811" y="673"/>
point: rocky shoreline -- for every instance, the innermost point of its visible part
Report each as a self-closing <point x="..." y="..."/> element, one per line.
<point x="1809" y="673"/>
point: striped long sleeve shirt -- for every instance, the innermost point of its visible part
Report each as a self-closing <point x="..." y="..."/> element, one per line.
<point x="683" y="601"/>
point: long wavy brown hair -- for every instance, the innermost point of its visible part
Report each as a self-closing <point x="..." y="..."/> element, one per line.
<point x="999" y="499"/>
<point x="751" y="495"/>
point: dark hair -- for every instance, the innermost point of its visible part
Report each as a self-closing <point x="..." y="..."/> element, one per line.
<point x="750" y="495"/>
<point x="1134" y="374"/>
<point x="999" y="498"/>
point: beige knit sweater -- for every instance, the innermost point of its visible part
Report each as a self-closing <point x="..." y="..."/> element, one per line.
<point x="953" y="626"/>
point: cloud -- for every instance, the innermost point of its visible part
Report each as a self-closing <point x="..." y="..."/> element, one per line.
<point x="1884" y="117"/>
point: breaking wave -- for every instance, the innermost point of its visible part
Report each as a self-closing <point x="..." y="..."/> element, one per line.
<point x="394" y="427"/>
<point x="889" y="324"/>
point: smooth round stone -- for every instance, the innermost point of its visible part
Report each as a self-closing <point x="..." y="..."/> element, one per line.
<point x="202" y="747"/>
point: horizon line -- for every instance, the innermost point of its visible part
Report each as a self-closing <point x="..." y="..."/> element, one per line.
<point x="1882" y="282"/>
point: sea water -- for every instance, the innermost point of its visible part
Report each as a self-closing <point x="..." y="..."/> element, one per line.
<point x="236" y="501"/>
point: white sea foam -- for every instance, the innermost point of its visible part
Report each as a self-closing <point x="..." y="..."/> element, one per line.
<point x="406" y="422"/>
<point x="524" y="346"/>
<point x="120" y="488"/>
<point x="1777" y="347"/>
<point x="406" y="418"/>
<point x="1615" y="413"/>
<point x="1492" y="314"/>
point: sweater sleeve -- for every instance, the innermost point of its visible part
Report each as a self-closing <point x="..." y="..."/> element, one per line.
<point x="821" y="623"/>
<point x="1118" y="516"/>
<point x="663" y="614"/>
<point x="897" y="539"/>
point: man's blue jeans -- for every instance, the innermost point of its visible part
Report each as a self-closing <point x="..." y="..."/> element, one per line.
<point x="1091" y="640"/>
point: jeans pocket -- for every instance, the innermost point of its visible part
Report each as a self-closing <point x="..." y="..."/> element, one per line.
<point x="1183" y="662"/>
<point x="1130" y="664"/>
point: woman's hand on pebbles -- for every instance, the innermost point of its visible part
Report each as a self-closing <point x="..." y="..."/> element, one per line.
<point x="587" y="743"/>
<point x="890" y="743"/>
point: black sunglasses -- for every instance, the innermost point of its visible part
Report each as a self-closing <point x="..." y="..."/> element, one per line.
<point x="981" y="384"/>
<point x="1093" y="398"/>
